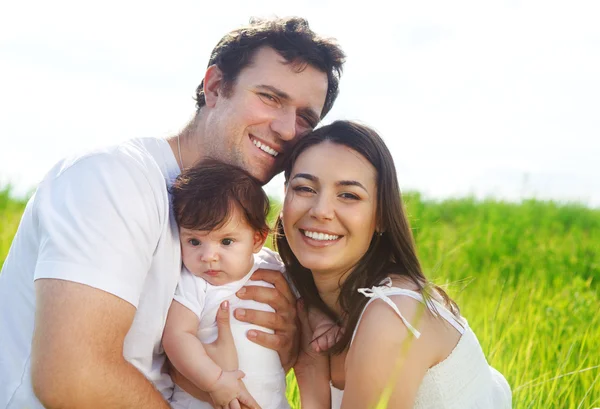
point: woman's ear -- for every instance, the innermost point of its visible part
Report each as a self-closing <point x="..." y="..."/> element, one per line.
<point x="213" y="80"/>
<point x="259" y="241"/>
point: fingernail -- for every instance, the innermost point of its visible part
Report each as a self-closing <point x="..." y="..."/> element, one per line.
<point x="225" y="305"/>
<point x="241" y="312"/>
<point x="242" y="291"/>
<point x="252" y="334"/>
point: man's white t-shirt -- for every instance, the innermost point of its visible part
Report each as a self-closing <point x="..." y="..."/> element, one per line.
<point x="265" y="377"/>
<point x="101" y="219"/>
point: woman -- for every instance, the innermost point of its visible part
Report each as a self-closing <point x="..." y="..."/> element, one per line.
<point x="348" y="247"/>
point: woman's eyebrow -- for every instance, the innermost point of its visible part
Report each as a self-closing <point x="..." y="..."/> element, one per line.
<point x="351" y="183"/>
<point x="305" y="176"/>
<point x="340" y="183"/>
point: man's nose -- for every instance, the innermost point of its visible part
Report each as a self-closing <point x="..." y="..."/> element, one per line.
<point x="284" y="124"/>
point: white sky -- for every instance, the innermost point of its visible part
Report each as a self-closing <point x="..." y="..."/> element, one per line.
<point x="487" y="98"/>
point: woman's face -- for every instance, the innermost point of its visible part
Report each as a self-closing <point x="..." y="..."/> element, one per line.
<point x="329" y="211"/>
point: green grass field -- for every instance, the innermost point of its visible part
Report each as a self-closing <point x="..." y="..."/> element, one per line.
<point x="526" y="276"/>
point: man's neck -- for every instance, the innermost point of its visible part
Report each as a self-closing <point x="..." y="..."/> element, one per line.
<point x="186" y="145"/>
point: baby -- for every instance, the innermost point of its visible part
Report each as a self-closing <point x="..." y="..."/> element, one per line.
<point x="222" y="216"/>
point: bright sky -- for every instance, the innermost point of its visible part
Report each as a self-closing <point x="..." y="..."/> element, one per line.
<point x="486" y="98"/>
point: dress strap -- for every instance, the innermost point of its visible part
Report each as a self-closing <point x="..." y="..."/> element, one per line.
<point x="378" y="293"/>
<point x="385" y="290"/>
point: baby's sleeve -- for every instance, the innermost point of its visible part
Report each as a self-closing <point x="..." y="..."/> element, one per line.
<point x="191" y="292"/>
<point x="271" y="260"/>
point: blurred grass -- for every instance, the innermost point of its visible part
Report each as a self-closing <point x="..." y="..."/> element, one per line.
<point x="525" y="275"/>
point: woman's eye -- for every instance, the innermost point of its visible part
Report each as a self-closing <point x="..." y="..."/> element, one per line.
<point x="227" y="242"/>
<point x="194" y="242"/>
<point x="351" y="196"/>
<point x="304" y="189"/>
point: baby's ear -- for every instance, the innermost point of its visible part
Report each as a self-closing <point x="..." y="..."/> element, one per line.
<point x="259" y="240"/>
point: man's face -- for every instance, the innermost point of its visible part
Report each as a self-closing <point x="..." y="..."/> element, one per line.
<point x="270" y="106"/>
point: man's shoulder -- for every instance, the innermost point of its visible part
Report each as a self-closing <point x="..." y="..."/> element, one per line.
<point x="139" y="157"/>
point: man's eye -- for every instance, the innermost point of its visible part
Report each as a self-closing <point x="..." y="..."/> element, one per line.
<point x="227" y="242"/>
<point x="268" y="98"/>
<point x="306" y="123"/>
<point x="194" y="242"/>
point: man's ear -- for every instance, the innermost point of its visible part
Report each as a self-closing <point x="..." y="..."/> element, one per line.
<point x="213" y="80"/>
<point x="259" y="241"/>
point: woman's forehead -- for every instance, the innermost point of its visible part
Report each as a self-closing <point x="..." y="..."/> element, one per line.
<point x="331" y="161"/>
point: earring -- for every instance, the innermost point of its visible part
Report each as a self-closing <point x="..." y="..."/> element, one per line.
<point x="379" y="233"/>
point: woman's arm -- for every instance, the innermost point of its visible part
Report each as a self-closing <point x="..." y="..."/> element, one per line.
<point x="384" y="360"/>
<point x="311" y="369"/>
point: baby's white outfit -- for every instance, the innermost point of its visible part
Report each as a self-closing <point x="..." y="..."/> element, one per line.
<point x="265" y="378"/>
<point x="464" y="380"/>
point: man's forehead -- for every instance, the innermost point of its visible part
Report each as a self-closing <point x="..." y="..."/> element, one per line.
<point x="301" y="81"/>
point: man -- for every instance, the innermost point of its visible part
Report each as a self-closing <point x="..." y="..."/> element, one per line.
<point x="86" y="287"/>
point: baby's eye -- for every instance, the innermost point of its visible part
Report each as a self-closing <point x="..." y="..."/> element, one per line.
<point x="226" y="242"/>
<point x="194" y="242"/>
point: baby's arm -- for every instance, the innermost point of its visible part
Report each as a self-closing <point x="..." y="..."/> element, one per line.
<point x="188" y="356"/>
<point x="325" y="332"/>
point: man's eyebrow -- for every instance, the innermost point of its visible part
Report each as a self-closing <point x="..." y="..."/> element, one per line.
<point x="281" y="94"/>
<point x="311" y="115"/>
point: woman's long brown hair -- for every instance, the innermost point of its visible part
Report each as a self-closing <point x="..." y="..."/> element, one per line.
<point x="391" y="253"/>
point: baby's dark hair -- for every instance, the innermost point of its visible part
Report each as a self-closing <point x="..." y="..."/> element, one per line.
<point x="204" y="197"/>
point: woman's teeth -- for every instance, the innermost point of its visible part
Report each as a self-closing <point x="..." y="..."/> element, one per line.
<point x="320" y="236"/>
<point x="265" y="148"/>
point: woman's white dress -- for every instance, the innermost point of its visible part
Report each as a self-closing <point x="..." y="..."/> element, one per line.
<point x="464" y="380"/>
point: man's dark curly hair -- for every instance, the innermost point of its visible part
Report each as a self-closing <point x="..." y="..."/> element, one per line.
<point x="292" y="38"/>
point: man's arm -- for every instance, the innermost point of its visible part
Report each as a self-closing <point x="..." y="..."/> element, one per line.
<point x="283" y="321"/>
<point x="77" y="350"/>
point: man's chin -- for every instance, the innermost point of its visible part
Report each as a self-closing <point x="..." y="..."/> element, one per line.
<point x="266" y="177"/>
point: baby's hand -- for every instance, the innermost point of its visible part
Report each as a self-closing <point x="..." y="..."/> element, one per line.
<point x="325" y="332"/>
<point x="226" y="390"/>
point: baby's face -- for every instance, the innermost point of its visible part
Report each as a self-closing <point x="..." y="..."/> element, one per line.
<point x="223" y="255"/>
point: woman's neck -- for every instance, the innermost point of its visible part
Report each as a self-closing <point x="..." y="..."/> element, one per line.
<point x="328" y="285"/>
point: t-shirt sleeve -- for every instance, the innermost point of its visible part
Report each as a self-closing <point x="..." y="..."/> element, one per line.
<point x="99" y="223"/>
<point x="190" y="293"/>
<point x="270" y="260"/>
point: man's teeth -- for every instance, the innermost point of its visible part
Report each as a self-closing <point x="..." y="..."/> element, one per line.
<point x="320" y="236"/>
<point x="265" y="148"/>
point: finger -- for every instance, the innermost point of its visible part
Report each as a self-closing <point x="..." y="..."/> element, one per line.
<point x="266" y="295"/>
<point x="278" y="280"/>
<point x="223" y="323"/>
<point x="271" y="341"/>
<point x="234" y="404"/>
<point x="323" y="343"/>
<point x="265" y="319"/>
<point x="247" y="400"/>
